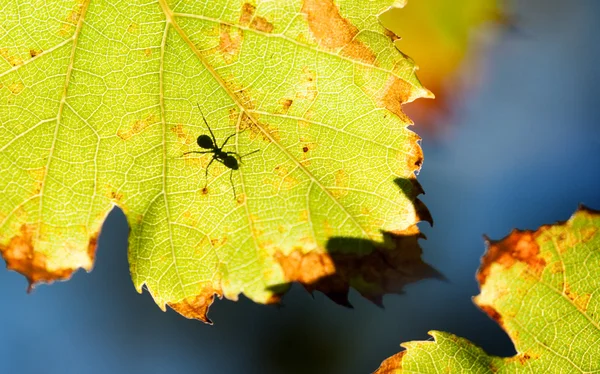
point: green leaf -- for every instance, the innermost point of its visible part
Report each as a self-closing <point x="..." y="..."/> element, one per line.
<point x="99" y="104"/>
<point x="539" y="286"/>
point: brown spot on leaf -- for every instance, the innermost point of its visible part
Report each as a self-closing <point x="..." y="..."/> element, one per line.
<point x="395" y="93"/>
<point x="218" y="242"/>
<point x="241" y="199"/>
<point x="116" y="196"/>
<point x="230" y="41"/>
<point x="14" y="60"/>
<point x="306" y="89"/>
<point x="247" y="18"/>
<point x="390" y="34"/>
<point x="21" y="256"/>
<point x="305" y="149"/>
<point x="133" y="28"/>
<point x="183" y="135"/>
<point x="92" y="246"/>
<point x="247" y="13"/>
<point x="523" y="358"/>
<point x="286" y="104"/>
<point x="16" y="88"/>
<point x="266" y="132"/>
<point x="580" y="301"/>
<point x="493" y="313"/>
<point x="281" y="178"/>
<point x="518" y="246"/>
<point x="391" y="365"/>
<point x="137" y="127"/>
<point x="38" y="175"/>
<point x="34" y="52"/>
<point x="204" y="190"/>
<point x="196" y="307"/>
<point x="70" y="21"/>
<point x="261" y="24"/>
<point x="334" y="32"/>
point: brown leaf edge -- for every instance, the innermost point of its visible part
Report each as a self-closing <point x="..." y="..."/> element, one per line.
<point x="373" y="269"/>
<point x="518" y="246"/>
<point x="20" y="256"/>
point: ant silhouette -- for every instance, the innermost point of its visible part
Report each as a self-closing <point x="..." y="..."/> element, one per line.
<point x="226" y="158"/>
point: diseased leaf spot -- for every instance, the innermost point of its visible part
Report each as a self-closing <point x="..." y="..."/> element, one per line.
<point x="266" y="132"/>
<point x="281" y="179"/>
<point x="196" y="307"/>
<point x="395" y="93"/>
<point x="305" y="149"/>
<point x="33" y="52"/>
<point x="493" y="313"/>
<point x="133" y="28"/>
<point x="261" y="24"/>
<point x="392" y="364"/>
<point x="14" y="60"/>
<point x="334" y="32"/>
<point x="137" y="127"/>
<point x="247" y="18"/>
<point x="21" y="256"/>
<point x="519" y="246"/>
<point x="241" y="199"/>
<point x="38" y="176"/>
<point x="182" y="135"/>
<point x="247" y="13"/>
<point x="581" y="301"/>
<point x="116" y="196"/>
<point x="307" y="88"/>
<point x="218" y="242"/>
<point x="16" y="88"/>
<point x="286" y="104"/>
<point x="68" y="26"/>
<point x="230" y="41"/>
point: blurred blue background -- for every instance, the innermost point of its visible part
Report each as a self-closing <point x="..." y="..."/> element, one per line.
<point x="524" y="150"/>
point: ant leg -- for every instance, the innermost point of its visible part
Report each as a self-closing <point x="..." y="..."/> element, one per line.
<point x="206" y="172"/>
<point x="232" y="185"/>
<point x="226" y="140"/>
<point x="240" y="156"/>
<point x="249" y="153"/>
<point x="197" y="152"/>
<point x="236" y="133"/>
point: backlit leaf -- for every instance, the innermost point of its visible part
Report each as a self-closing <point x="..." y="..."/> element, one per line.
<point x="541" y="287"/>
<point x="99" y="101"/>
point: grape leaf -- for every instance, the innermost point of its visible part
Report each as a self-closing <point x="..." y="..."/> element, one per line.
<point x="100" y="104"/>
<point x="539" y="286"/>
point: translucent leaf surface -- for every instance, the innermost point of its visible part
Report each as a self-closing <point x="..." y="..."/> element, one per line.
<point x="99" y="105"/>
<point x="541" y="287"/>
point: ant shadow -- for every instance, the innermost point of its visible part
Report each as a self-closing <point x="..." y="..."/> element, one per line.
<point x="373" y="269"/>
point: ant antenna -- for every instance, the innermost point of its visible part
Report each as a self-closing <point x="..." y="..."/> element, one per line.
<point x="204" y="118"/>
<point x="248" y="154"/>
